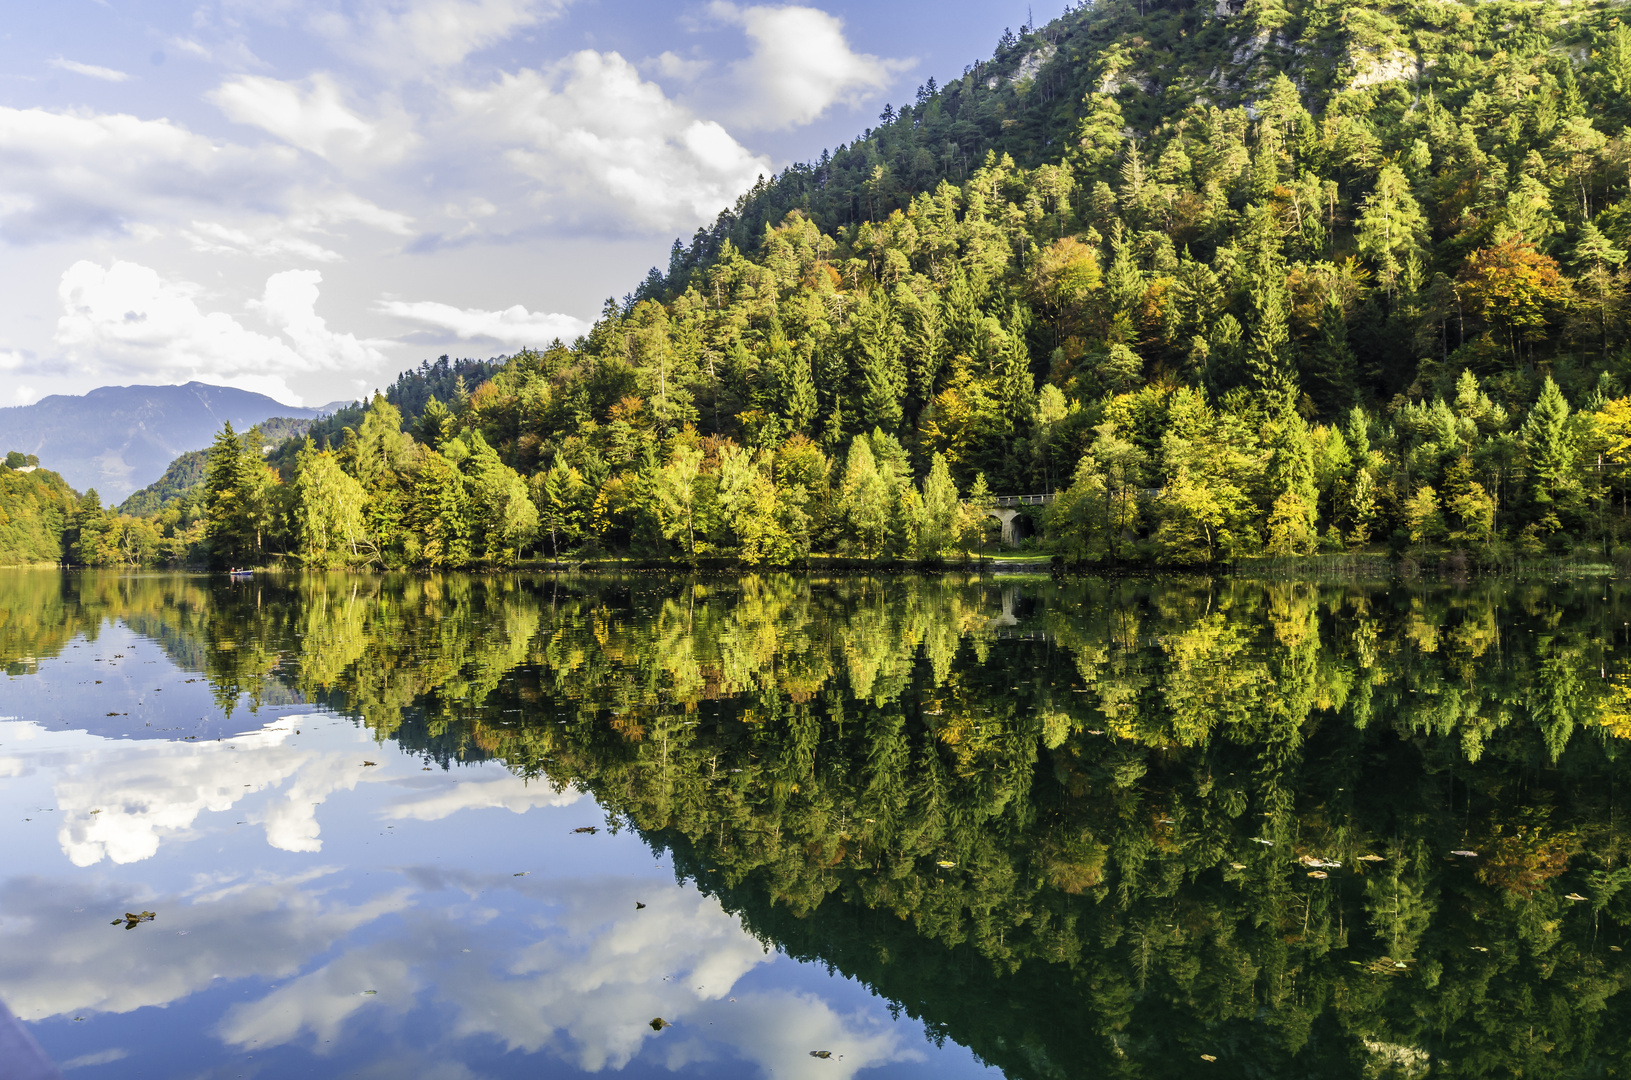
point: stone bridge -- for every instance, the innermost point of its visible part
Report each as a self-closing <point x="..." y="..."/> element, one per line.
<point x="1005" y="508"/>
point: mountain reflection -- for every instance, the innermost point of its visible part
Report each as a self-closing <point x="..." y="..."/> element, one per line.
<point x="1085" y="829"/>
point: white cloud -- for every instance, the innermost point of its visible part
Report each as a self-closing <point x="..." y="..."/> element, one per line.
<point x="266" y="242"/>
<point x="513" y="326"/>
<point x="799" y="65"/>
<point x="409" y="36"/>
<point x="51" y="966"/>
<point x="126" y="319"/>
<point x="675" y="66"/>
<point x="597" y="138"/>
<point x="315" y="118"/>
<point x="106" y="74"/>
<point x="487" y="790"/>
<point x="70" y="173"/>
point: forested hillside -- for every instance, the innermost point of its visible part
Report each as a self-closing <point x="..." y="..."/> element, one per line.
<point x="1279" y="276"/>
<point x="34" y="506"/>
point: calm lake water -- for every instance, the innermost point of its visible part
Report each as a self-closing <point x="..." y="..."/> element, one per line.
<point x="469" y="827"/>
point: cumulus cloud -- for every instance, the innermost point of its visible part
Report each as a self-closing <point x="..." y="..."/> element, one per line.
<point x="91" y="70"/>
<point x="489" y="790"/>
<point x="513" y="326"/>
<point x="135" y="795"/>
<point x="315" y="118"/>
<point x="799" y="65"/>
<point x="125" y="319"/>
<point x="596" y="137"/>
<point x="69" y="173"/>
<point x="407" y="37"/>
<point x="53" y="963"/>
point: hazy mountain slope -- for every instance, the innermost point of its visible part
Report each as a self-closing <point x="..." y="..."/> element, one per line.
<point x="119" y="438"/>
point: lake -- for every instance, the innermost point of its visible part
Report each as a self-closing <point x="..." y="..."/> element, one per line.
<point x="782" y="826"/>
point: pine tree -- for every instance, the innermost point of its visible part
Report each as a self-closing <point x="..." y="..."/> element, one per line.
<point x="1549" y="453"/>
<point x="1328" y="370"/>
<point x="1268" y="343"/>
<point x="227" y="530"/>
<point x="879" y="361"/>
<point x="938" y="530"/>
<point x="799" y="392"/>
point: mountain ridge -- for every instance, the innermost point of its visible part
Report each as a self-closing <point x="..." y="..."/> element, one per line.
<point x="117" y="439"/>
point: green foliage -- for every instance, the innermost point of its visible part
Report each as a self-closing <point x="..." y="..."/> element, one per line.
<point x="35" y="507"/>
<point x="1127" y="244"/>
<point x="1150" y="820"/>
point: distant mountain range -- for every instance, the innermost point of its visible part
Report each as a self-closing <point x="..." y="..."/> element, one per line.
<point x="117" y="439"/>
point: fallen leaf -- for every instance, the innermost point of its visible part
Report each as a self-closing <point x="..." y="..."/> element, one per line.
<point x="658" y="1023"/>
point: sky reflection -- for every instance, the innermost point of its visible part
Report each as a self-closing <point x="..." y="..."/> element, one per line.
<point x="320" y="915"/>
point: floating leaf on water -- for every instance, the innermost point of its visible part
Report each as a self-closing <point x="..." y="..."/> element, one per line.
<point x="1318" y="875"/>
<point x="590" y="829"/>
<point x="822" y="1054"/>
<point x="658" y="1023"/>
<point x="638" y="905"/>
<point x="1576" y="897"/>
<point x="1468" y="854"/>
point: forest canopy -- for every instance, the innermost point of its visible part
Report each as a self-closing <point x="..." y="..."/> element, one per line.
<point x="1129" y="261"/>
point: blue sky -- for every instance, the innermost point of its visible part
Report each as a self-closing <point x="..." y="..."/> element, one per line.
<point x="303" y="197"/>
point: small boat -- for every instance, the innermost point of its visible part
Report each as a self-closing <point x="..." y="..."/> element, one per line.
<point x="236" y="573"/>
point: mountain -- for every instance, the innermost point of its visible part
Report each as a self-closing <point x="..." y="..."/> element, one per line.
<point x="118" y="438"/>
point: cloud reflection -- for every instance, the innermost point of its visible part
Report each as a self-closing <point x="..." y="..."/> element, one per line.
<point x="121" y="800"/>
<point x="584" y="989"/>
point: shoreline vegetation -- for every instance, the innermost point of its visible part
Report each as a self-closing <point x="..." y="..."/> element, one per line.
<point x="1347" y="317"/>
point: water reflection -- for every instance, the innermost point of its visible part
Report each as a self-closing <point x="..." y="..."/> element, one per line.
<point x="1081" y="828"/>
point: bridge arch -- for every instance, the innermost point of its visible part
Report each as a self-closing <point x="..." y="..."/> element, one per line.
<point x="1006" y="508"/>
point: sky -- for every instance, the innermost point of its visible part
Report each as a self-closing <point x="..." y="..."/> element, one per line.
<point x="305" y="197"/>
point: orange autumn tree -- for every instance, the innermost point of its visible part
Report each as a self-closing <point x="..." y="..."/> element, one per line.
<point x="1514" y="288"/>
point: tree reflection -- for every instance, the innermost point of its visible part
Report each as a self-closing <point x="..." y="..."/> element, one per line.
<point x="1097" y="828"/>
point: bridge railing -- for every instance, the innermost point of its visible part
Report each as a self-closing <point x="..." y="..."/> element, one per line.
<point x="1023" y="500"/>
